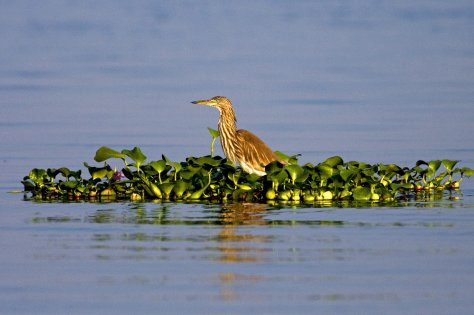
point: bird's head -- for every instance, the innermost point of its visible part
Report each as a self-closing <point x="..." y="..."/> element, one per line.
<point x="219" y="102"/>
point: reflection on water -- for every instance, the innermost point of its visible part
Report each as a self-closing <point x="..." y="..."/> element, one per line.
<point x="254" y="253"/>
<point x="235" y="246"/>
<point x="229" y="244"/>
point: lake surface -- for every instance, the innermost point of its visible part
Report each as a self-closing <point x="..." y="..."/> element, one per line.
<point x="384" y="81"/>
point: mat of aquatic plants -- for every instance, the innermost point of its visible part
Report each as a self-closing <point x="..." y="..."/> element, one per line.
<point x="216" y="179"/>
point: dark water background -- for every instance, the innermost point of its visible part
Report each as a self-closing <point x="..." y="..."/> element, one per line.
<point x="376" y="81"/>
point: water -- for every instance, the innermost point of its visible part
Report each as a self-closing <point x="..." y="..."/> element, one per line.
<point x="373" y="81"/>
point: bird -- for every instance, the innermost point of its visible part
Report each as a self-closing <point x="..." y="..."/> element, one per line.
<point x="239" y="145"/>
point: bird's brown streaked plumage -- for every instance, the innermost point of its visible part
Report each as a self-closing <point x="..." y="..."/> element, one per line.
<point x="239" y="145"/>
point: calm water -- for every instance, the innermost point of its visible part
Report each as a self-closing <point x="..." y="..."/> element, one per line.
<point x="382" y="81"/>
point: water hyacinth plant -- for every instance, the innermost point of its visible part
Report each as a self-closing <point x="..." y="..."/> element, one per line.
<point x="214" y="178"/>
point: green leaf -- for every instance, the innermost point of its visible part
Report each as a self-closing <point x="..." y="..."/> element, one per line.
<point x="334" y="161"/>
<point x="273" y="167"/>
<point x="136" y="155"/>
<point x="177" y="166"/>
<point x="105" y="153"/>
<point x="361" y="193"/>
<point x="214" y="133"/>
<point x="278" y="178"/>
<point x="347" y="174"/>
<point x="158" y="166"/>
<point x="102" y="173"/>
<point x="449" y="164"/>
<point x="37" y="175"/>
<point x="325" y="170"/>
<point x="166" y="189"/>
<point x="207" y="160"/>
<point x="295" y="171"/>
<point x="179" y="188"/>
<point x="99" y="172"/>
<point x="434" y="165"/>
<point x="466" y="171"/>
<point x="290" y="159"/>
<point x="421" y="162"/>
<point x="70" y="184"/>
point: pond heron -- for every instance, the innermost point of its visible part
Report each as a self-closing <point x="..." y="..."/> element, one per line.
<point x="239" y="145"/>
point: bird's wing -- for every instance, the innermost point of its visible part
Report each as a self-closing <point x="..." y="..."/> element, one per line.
<point x="255" y="151"/>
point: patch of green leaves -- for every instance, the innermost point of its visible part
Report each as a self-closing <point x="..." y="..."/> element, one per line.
<point x="214" y="178"/>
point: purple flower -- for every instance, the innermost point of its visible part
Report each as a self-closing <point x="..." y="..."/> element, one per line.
<point x="118" y="175"/>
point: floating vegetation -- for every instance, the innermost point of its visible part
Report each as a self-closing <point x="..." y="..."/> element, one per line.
<point x="215" y="179"/>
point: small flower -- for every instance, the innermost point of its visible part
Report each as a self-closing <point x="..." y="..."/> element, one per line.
<point x="118" y="175"/>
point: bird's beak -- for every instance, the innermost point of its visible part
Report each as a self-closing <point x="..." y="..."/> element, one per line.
<point x="205" y="102"/>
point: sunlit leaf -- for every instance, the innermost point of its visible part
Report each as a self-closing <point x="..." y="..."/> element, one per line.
<point x="158" y="166"/>
<point x="361" y="193"/>
<point x="466" y="171"/>
<point x="214" y="133"/>
<point x="325" y="171"/>
<point x="136" y="155"/>
<point x="37" y="175"/>
<point x="295" y="171"/>
<point x="179" y="188"/>
<point x="207" y="160"/>
<point x="166" y="189"/>
<point x="434" y="165"/>
<point x="449" y="164"/>
<point x="177" y="166"/>
<point x="347" y="174"/>
<point x="334" y="161"/>
<point x="289" y="159"/>
<point x="105" y="153"/>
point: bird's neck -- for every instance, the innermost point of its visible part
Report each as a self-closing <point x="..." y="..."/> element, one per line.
<point x="227" y="122"/>
<point x="228" y="133"/>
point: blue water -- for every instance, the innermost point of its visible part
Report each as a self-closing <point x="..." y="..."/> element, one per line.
<point x="376" y="81"/>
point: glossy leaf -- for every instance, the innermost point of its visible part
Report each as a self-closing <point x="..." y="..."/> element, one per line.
<point x="105" y="153"/>
<point x="101" y="173"/>
<point x="466" y="171"/>
<point x="136" y="155"/>
<point x="289" y="159"/>
<point x="207" y="160"/>
<point x="434" y="165"/>
<point x="361" y="193"/>
<point x="158" y="166"/>
<point x="334" y="161"/>
<point x="325" y="171"/>
<point x="214" y="133"/>
<point x="295" y="171"/>
<point x="179" y="188"/>
<point x="449" y="164"/>
<point x="37" y="175"/>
